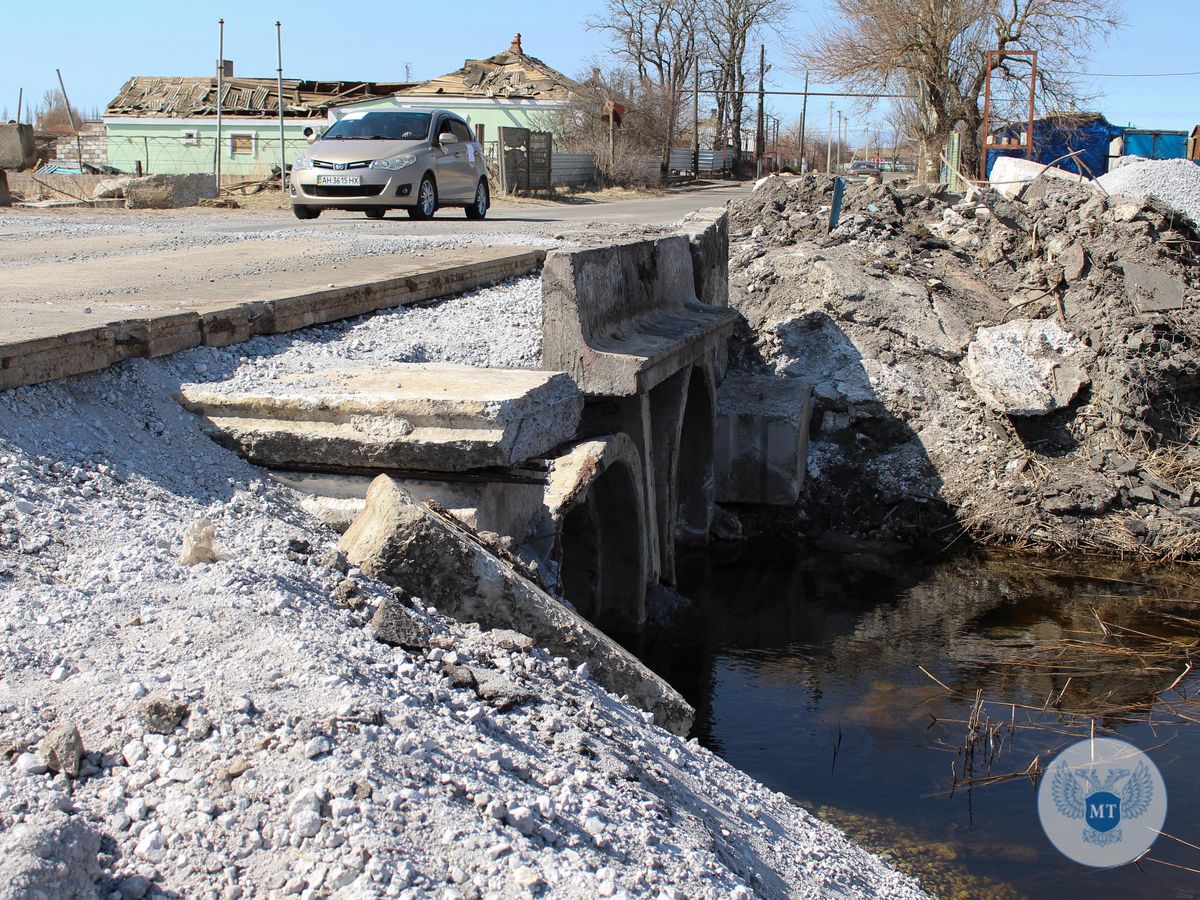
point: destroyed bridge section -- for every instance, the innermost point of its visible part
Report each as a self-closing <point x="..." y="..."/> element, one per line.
<point x="585" y="474"/>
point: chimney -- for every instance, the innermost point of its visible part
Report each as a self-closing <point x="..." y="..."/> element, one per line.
<point x="515" y="47"/>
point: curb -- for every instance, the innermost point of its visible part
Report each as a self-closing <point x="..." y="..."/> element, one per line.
<point x="94" y="349"/>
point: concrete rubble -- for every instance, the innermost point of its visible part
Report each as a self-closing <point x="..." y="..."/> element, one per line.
<point x="404" y="543"/>
<point x="1026" y="370"/>
<point x="168" y="191"/>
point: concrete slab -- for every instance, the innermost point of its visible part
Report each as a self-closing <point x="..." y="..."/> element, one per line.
<point x="61" y="318"/>
<point x="438" y="417"/>
<point x="433" y="557"/>
<point x="624" y="318"/>
<point x="1150" y="289"/>
<point x="762" y="439"/>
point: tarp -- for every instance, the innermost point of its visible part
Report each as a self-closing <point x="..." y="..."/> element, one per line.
<point x="1056" y="137"/>
<point x="1156" y="144"/>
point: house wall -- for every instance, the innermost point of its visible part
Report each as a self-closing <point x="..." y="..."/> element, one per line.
<point x="163" y="147"/>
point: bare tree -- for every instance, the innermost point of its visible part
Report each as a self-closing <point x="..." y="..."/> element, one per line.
<point x="657" y="40"/>
<point x="53" y="116"/>
<point x="729" y="26"/>
<point x="934" y="50"/>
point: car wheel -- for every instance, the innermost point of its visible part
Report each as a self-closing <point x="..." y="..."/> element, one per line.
<point x="479" y="208"/>
<point x="306" y="212"/>
<point x="426" y="200"/>
<point x="375" y="213"/>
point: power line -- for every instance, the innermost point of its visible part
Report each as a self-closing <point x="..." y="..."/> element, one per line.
<point x="1134" y="74"/>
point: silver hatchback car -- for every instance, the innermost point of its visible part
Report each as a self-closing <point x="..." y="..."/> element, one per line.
<point x="376" y="160"/>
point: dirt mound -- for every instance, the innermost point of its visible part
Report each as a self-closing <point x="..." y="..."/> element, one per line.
<point x="880" y="315"/>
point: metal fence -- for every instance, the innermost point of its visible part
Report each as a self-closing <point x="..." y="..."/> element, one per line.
<point x="573" y="169"/>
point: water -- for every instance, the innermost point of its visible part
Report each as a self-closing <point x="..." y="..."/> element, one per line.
<point x="804" y="672"/>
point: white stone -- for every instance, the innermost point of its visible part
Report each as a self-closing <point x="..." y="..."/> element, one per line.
<point x="306" y="823"/>
<point x="318" y="746"/>
<point x="1027" y="367"/>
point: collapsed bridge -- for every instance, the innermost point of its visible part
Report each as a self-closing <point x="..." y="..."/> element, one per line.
<point x="583" y="475"/>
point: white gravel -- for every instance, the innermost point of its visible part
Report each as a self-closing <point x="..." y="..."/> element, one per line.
<point x="314" y="760"/>
<point x="1176" y="182"/>
<point x="498" y="326"/>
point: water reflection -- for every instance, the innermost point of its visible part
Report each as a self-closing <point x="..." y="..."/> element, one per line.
<point x="807" y="673"/>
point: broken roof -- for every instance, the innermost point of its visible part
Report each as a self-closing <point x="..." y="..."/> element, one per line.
<point x="181" y="97"/>
<point x="512" y="73"/>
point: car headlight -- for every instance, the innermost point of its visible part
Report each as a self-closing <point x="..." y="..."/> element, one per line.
<point x="395" y="162"/>
<point x="302" y="162"/>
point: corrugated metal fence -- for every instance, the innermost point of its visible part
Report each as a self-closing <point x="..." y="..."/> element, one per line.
<point x="573" y="169"/>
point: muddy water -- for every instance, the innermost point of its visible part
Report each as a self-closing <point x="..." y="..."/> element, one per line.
<point x="805" y="673"/>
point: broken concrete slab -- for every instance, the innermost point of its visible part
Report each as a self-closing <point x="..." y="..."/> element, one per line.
<point x="762" y="439"/>
<point x="437" y="417"/>
<point x="624" y="318"/>
<point x="1010" y="175"/>
<point x="1028" y="367"/>
<point x="1151" y="289"/>
<point x="168" y="191"/>
<point x="404" y="543"/>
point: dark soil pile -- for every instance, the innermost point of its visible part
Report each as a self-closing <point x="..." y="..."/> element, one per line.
<point x="879" y="314"/>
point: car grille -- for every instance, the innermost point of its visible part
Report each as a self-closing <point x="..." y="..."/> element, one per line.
<point x="321" y="164"/>
<point x="343" y="190"/>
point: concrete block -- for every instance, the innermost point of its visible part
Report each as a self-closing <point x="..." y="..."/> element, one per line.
<point x="405" y="544"/>
<point x="1010" y="175"/>
<point x="762" y="439"/>
<point x="43" y="359"/>
<point x="1027" y="367"/>
<point x="622" y="319"/>
<point x="158" y="336"/>
<point x="16" y="145"/>
<point x="168" y="191"/>
<point x="437" y="417"/>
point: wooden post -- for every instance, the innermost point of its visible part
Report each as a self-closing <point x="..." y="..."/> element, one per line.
<point x="760" y="140"/>
<point x="612" y="143"/>
<point x="279" y="88"/>
<point x="220" y="87"/>
<point x="146" y="150"/>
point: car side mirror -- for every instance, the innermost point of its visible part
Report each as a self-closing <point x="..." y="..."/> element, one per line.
<point x="447" y="139"/>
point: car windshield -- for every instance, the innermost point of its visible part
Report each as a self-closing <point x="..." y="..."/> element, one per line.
<point x="380" y="126"/>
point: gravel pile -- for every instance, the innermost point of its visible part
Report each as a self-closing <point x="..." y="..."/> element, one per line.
<point x="1176" y="182"/>
<point x="237" y="730"/>
<point x="498" y="326"/>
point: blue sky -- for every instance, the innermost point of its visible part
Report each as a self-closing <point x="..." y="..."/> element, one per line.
<point x="97" y="49"/>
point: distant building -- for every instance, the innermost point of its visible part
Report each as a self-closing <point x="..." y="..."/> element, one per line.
<point x="510" y="89"/>
<point x="169" y="125"/>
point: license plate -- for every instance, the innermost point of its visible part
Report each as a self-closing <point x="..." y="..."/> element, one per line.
<point x="353" y="180"/>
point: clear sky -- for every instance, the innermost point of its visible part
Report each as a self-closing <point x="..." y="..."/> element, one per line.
<point x="97" y="48"/>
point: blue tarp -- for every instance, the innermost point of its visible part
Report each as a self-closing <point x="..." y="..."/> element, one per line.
<point x="1156" y="144"/>
<point x="1055" y="138"/>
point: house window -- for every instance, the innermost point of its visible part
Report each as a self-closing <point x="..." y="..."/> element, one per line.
<point x="242" y="143"/>
<point x="189" y="138"/>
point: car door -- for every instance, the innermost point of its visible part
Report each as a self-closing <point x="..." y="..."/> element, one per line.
<point x="452" y="166"/>
<point x="473" y="155"/>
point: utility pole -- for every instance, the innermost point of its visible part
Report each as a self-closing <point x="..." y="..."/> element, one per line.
<point x="759" y="138"/>
<point x="829" y="145"/>
<point x="279" y="83"/>
<point x="220" y="90"/>
<point x="803" y="114"/>
<point x="20" y="97"/>
<point x="696" y="121"/>
<point x="849" y="149"/>
<point x="839" y="140"/>
<point x="71" y="119"/>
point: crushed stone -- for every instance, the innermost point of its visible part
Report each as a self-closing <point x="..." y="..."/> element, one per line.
<point x="1176" y="182"/>
<point x="312" y="759"/>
